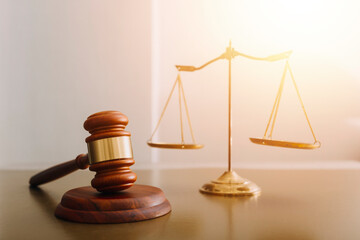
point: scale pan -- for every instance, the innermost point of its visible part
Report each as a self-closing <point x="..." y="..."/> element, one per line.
<point x="174" y="145"/>
<point x="286" y="144"/>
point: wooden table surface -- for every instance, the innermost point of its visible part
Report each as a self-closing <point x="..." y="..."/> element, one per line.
<point x="294" y="204"/>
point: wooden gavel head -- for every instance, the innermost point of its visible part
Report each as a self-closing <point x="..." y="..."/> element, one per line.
<point x="109" y="151"/>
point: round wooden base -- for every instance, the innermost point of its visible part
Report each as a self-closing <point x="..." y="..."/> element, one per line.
<point x="138" y="203"/>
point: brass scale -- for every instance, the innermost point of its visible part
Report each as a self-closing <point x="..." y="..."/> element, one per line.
<point x="230" y="183"/>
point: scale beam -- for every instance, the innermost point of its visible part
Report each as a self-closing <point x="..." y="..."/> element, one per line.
<point x="230" y="54"/>
<point x="184" y="68"/>
<point x="271" y="58"/>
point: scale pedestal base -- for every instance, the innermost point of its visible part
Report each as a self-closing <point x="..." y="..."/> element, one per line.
<point x="231" y="184"/>
<point x="138" y="203"/>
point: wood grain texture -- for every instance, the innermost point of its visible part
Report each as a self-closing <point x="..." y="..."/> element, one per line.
<point x="112" y="175"/>
<point x="86" y="205"/>
<point x="60" y="170"/>
<point x="106" y="124"/>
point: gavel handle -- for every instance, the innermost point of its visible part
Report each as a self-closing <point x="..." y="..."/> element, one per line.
<point x="60" y="170"/>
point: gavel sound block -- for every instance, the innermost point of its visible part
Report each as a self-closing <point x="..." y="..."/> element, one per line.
<point x="116" y="198"/>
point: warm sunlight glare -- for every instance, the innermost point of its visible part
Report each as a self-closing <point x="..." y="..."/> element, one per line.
<point x="312" y="26"/>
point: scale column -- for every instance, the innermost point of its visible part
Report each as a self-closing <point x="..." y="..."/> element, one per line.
<point x="230" y="113"/>
<point x="230" y="183"/>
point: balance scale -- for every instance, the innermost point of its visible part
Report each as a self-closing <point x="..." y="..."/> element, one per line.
<point x="230" y="183"/>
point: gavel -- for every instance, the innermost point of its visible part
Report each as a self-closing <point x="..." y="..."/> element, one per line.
<point x="109" y="155"/>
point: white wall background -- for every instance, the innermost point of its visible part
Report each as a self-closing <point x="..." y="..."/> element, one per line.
<point x="61" y="61"/>
<point x="324" y="36"/>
